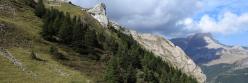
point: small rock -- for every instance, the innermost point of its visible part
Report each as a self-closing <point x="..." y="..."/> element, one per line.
<point x="2" y="27"/>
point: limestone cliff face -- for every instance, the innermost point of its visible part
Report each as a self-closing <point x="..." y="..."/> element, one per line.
<point x="163" y="48"/>
<point x="99" y="13"/>
<point x="170" y="53"/>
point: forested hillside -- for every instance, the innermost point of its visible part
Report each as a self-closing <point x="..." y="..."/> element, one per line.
<point x="81" y="44"/>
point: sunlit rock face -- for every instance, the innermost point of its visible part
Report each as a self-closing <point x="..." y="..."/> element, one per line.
<point x="99" y="13"/>
<point x="165" y="49"/>
<point x="169" y="53"/>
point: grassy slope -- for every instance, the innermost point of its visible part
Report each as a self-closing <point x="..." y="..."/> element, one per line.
<point x="28" y="26"/>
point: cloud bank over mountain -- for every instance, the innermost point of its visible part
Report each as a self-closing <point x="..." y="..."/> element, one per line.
<point x="157" y="16"/>
<point x="177" y="17"/>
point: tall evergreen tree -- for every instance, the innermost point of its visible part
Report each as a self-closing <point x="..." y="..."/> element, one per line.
<point x="40" y="9"/>
<point x="112" y="71"/>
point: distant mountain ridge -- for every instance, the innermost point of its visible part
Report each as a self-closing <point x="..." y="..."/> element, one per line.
<point x="221" y="63"/>
<point x="199" y="44"/>
<point x="203" y="48"/>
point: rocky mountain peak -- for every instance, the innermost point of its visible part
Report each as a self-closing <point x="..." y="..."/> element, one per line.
<point x="99" y="13"/>
<point x="199" y="40"/>
<point x="207" y="37"/>
<point x="201" y="47"/>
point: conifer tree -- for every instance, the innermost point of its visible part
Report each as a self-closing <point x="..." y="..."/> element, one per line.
<point x="65" y="32"/>
<point x="112" y="74"/>
<point x="40" y="9"/>
<point x="78" y="33"/>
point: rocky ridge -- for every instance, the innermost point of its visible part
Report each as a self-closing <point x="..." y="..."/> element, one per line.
<point x="99" y="13"/>
<point x="158" y="45"/>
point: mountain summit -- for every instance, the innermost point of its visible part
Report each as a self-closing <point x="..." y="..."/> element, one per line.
<point x="203" y="48"/>
<point x="221" y="63"/>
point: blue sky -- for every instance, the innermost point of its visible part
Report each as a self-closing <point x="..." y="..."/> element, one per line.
<point x="227" y="20"/>
<point x="240" y="39"/>
<point x="214" y="8"/>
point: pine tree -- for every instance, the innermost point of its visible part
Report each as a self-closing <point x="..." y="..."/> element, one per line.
<point x="65" y="31"/>
<point x="40" y="9"/>
<point x="47" y="30"/>
<point x="90" y="38"/>
<point x="78" y="33"/>
<point x="112" y="72"/>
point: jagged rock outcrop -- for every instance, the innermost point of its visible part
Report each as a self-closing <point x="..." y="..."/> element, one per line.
<point x="99" y="13"/>
<point x="158" y="45"/>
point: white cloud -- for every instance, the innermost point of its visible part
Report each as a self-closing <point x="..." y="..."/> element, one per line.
<point x="155" y="14"/>
<point x="148" y="15"/>
<point x="177" y="17"/>
<point x="227" y="23"/>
